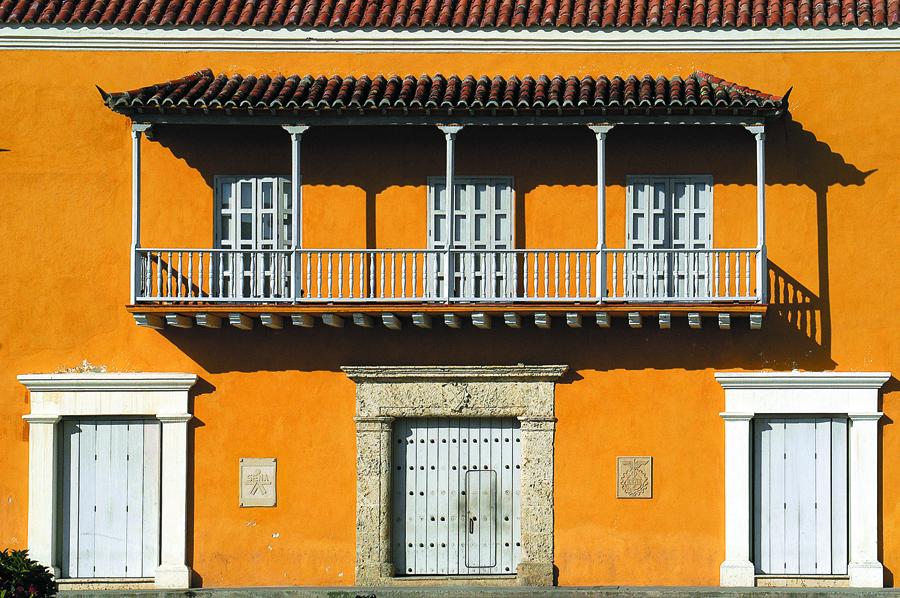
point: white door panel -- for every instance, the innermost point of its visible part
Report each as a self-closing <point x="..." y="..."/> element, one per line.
<point x="110" y="497"/>
<point x="800" y="496"/>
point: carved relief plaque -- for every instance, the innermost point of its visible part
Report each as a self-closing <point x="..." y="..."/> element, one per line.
<point x="257" y="479"/>
<point x="634" y="477"/>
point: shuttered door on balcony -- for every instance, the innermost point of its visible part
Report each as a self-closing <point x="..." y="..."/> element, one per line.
<point x="253" y="214"/>
<point x="482" y="225"/>
<point x="800" y="496"/>
<point x="456" y="496"/>
<point x="110" y="497"/>
<point x="668" y="213"/>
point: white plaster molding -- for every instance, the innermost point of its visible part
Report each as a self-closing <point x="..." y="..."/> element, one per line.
<point x="854" y="394"/>
<point x="107" y="382"/>
<point x="160" y="395"/>
<point x="289" y="39"/>
<point x="386" y="393"/>
<point x="783" y="380"/>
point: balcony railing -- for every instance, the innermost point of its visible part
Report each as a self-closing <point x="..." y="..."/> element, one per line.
<point x="456" y="276"/>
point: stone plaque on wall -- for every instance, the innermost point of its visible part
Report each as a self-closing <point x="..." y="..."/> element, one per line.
<point x="257" y="482"/>
<point x="634" y="477"/>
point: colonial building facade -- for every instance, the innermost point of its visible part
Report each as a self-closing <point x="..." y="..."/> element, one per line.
<point x="504" y="293"/>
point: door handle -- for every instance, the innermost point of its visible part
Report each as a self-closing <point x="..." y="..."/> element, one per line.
<point x="471" y="525"/>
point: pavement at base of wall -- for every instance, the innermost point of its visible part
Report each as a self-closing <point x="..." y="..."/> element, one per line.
<point x="467" y="592"/>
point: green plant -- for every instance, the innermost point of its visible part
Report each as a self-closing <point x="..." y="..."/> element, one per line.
<point x="21" y="577"/>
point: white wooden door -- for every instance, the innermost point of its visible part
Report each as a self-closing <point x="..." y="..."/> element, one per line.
<point x="254" y="215"/>
<point x="800" y="496"/>
<point x="673" y="214"/>
<point x="456" y="496"/>
<point x="110" y="497"/>
<point x="482" y="226"/>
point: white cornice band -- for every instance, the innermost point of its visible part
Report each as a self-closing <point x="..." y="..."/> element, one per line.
<point x="126" y="382"/>
<point x="786" y="380"/>
<point x="89" y="38"/>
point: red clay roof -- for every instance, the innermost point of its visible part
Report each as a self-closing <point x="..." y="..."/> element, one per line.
<point x="205" y="92"/>
<point x="458" y="14"/>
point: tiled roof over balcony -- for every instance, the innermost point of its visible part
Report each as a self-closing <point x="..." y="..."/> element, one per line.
<point x="464" y="14"/>
<point x="206" y="92"/>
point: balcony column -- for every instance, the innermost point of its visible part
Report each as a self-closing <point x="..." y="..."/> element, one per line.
<point x="600" y="131"/>
<point x="136" y="130"/>
<point x="449" y="132"/>
<point x="295" y="132"/>
<point x="762" y="271"/>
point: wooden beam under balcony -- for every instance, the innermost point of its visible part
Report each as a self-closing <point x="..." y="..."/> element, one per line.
<point x="426" y="316"/>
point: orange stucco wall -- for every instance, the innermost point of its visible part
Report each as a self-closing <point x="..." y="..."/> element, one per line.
<point x="65" y="201"/>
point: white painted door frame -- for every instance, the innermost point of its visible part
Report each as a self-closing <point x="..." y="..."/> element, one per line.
<point x="854" y="394"/>
<point x="160" y="395"/>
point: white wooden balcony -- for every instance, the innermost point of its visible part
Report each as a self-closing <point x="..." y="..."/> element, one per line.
<point x="197" y="276"/>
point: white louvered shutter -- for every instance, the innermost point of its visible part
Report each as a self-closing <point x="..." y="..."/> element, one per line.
<point x="800" y="496"/>
<point x="482" y="225"/>
<point x="672" y="213"/>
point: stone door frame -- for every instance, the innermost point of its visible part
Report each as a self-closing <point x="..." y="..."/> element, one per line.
<point x="385" y="393"/>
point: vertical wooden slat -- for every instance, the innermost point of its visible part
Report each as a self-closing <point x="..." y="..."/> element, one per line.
<point x="87" y="497"/>
<point x="151" y="497"/>
<point x="762" y="492"/>
<point x="777" y="498"/>
<point x="442" y="509"/>
<point x="71" y="436"/>
<point x="806" y="493"/>
<point x="134" y="490"/>
<point x="839" y="523"/>
<point x="823" y="482"/>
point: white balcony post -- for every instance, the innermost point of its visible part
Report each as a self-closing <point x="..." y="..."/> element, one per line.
<point x="136" y="130"/>
<point x="449" y="132"/>
<point x="600" y="131"/>
<point x="762" y="271"/>
<point x="295" y="132"/>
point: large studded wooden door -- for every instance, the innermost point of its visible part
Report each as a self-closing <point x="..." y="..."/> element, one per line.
<point x="456" y="496"/>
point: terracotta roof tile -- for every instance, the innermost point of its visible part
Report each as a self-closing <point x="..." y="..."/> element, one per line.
<point x="457" y="14"/>
<point x="206" y="92"/>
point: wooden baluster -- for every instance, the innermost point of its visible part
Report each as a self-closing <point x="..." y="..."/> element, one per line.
<point x="577" y="274"/>
<point x="188" y="292"/>
<point x="588" y="258"/>
<point x="381" y="275"/>
<point x="715" y="256"/>
<point x="148" y="289"/>
<point x="371" y="274"/>
<point x="614" y="286"/>
<point x="220" y="274"/>
<point x="747" y="273"/>
<point x="393" y="274"/>
<point x="350" y="276"/>
<point x="525" y="279"/>
<point x="415" y="274"/>
<point x="403" y="274"/>
<point x="567" y="281"/>
<point x="535" y="274"/>
<point x="727" y="274"/>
